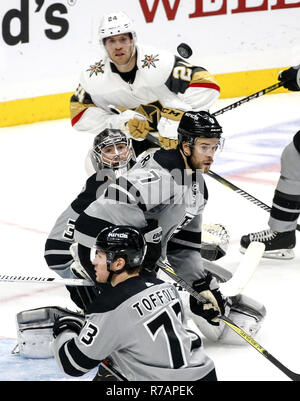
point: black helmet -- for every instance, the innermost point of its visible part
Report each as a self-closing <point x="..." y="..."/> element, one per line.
<point x="198" y="124"/>
<point x="110" y="137"/>
<point x="122" y="241"/>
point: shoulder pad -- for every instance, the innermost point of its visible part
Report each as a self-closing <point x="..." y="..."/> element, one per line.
<point x="97" y="66"/>
<point x="155" y="64"/>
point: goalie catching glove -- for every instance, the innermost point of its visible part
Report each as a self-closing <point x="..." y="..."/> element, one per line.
<point x="76" y="267"/>
<point x="208" y="288"/>
<point x="167" y="127"/>
<point x="292" y="78"/>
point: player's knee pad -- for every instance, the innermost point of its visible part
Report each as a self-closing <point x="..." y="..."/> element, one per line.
<point x="34" y="331"/>
<point x="296" y="141"/>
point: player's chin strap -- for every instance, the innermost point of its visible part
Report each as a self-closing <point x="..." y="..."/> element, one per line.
<point x="166" y="267"/>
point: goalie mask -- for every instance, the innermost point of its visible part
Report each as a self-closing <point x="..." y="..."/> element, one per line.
<point x="112" y="149"/>
<point x="199" y="124"/>
<point x="122" y="241"/>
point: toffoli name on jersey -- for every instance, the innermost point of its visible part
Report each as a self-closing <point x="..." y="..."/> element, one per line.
<point x="154" y="300"/>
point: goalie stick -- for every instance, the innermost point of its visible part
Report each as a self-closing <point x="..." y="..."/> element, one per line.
<point x="244" y="271"/>
<point x="241" y="192"/>
<point x="230" y="288"/>
<point x="166" y="267"/>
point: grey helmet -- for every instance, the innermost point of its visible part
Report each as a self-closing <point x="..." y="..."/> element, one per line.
<point x="111" y="137"/>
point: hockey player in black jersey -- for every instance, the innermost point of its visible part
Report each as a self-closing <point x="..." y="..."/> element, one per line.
<point x="111" y="155"/>
<point x="168" y="187"/>
<point x="140" y="323"/>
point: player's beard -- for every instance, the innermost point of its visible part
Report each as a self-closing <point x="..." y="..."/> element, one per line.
<point x="203" y="165"/>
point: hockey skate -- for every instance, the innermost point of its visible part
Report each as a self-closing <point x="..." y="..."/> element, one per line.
<point x="278" y="245"/>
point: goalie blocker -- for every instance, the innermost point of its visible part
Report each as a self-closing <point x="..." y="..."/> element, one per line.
<point x="35" y="330"/>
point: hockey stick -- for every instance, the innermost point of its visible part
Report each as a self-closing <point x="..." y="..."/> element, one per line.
<point x="241" y="192"/>
<point x="244" y="271"/>
<point x="248" y="98"/>
<point x="185" y="51"/>
<point x="165" y="266"/>
<point x="44" y="280"/>
<point x="113" y="371"/>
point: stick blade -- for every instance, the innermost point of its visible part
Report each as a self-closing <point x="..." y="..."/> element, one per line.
<point x="245" y="270"/>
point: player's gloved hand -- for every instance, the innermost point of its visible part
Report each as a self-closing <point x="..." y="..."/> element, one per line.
<point x="152" y="234"/>
<point x="209" y="289"/>
<point x="76" y="267"/>
<point x="138" y="129"/>
<point x="133" y="123"/>
<point x="292" y="76"/>
<point x="167" y="127"/>
<point x="67" y="323"/>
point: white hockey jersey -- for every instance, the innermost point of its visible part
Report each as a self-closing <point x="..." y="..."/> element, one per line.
<point x="161" y="78"/>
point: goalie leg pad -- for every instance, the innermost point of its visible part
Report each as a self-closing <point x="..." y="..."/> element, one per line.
<point x="246" y="313"/>
<point x="34" y="330"/>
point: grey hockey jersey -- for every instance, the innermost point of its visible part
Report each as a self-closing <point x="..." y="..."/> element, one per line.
<point x="157" y="187"/>
<point x="141" y="326"/>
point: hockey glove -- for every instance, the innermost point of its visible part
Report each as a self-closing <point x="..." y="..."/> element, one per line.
<point x="152" y="233"/>
<point x="167" y="127"/>
<point x="214" y="241"/>
<point x="138" y="129"/>
<point x="292" y="78"/>
<point x="215" y="305"/>
<point x="133" y="123"/>
<point x="76" y="267"/>
<point x="67" y="323"/>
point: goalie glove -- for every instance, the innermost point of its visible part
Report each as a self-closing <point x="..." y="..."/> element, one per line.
<point x="292" y="78"/>
<point x="67" y="323"/>
<point x="76" y="267"/>
<point x="167" y="127"/>
<point x="208" y="288"/>
<point x="214" y="241"/>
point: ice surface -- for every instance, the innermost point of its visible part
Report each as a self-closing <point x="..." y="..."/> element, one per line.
<point x="42" y="170"/>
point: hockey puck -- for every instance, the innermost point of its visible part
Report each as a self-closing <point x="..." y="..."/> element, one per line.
<point x="184" y="50"/>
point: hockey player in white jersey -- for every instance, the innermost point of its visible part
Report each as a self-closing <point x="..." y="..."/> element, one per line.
<point x="168" y="187"/>
<point x="280" y="237"/>
<point x="140" y="323"/>
<point x="149" y="87"/>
